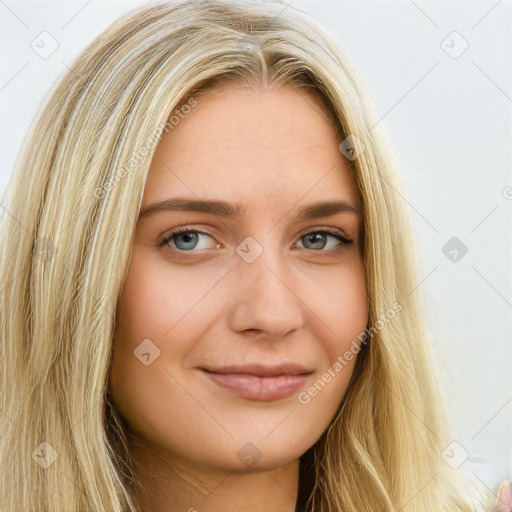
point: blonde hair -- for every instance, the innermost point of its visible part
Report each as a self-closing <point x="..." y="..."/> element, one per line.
<point x="73" y="206"/>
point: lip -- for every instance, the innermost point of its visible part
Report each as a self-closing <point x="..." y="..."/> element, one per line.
<point x="259" y="382"/>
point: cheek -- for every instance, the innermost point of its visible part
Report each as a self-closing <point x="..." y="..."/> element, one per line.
<point x="343" y="303"/>
<point x="159" y="306"/>
<point x="344" y="307"/>
<point x="154" y="299"/>
<point x="144" y="312"/>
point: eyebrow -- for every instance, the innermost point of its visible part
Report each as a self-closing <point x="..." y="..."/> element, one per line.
<point x="234" y="210"/>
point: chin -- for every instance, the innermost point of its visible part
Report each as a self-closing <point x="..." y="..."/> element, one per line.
<point x="264" y="453"/>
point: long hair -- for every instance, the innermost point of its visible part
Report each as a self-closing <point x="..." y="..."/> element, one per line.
<point x="71" y="212"/>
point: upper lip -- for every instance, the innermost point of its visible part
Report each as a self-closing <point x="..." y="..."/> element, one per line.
<point x="261" y="370"/>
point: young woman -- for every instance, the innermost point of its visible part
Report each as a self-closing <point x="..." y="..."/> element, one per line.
<point x="207" y="286"/>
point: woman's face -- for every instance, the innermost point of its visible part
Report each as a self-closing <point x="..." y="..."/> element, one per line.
<point x="222" y="335"/>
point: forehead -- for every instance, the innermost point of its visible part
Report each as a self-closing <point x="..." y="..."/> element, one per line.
<point x="257" y="145"/>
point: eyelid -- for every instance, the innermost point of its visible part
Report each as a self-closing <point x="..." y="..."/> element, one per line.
<point x="165" y="237"/>
<point x="327" y="229"/>
<point x="334" y="232"/>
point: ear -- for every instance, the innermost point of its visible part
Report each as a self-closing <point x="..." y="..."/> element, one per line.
<point x="503" y="501"/>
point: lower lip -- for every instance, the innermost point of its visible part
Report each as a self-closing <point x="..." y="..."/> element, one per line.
<point x="264" y="389"/>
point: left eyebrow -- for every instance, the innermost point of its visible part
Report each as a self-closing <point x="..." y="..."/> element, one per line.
<point x="325" y="209"/>
<point x="236" y="210"/>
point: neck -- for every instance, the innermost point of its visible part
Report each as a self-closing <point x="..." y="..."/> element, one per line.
<point x="168" y="486"/>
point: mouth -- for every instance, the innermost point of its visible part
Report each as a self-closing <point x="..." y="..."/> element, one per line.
<point x="259" y="382"/>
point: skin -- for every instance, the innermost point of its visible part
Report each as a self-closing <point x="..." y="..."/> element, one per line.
<point x="273" y="151"/>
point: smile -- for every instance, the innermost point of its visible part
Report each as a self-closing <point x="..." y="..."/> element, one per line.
<point x="264" y="385"/>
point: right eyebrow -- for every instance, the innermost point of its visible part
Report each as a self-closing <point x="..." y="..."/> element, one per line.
<point x="222" y="208"/>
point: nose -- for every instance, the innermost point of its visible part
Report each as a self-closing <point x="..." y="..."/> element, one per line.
<point x="264" y="301"/>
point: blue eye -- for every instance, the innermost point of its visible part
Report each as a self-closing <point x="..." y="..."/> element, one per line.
<point x="185" y="239"/>
<point x="319" y="237"/>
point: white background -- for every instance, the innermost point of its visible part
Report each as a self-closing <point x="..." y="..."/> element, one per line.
<point x="449" y="120"/>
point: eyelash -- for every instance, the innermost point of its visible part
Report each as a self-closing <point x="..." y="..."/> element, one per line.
<point x="184" y="229"/>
